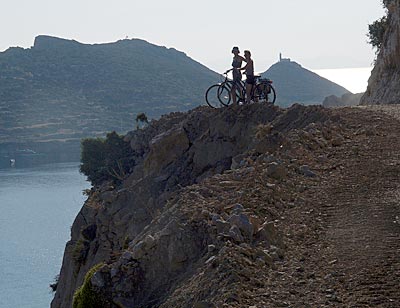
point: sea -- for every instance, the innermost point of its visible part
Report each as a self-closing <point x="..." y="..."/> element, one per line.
<point x="38" y="206"/>
<point x="353" y="79"/>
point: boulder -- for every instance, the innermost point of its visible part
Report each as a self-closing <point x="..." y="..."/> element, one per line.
<point x="243" y="223"/>
<point x="276" y="171"/>
<point x="165" y="148"/>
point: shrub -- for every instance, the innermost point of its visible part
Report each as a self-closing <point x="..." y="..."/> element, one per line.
<point x="54" y="285"/>
<point x="85" y="296"/>
<point x="106" y="159"/>
<point x="80" y="251"/>
<point x="377" y="32"/>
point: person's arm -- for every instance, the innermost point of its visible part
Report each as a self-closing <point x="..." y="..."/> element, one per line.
<point x="244" y="67"/>
<point x="250" y="63"/>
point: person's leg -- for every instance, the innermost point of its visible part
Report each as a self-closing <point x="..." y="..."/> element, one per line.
<point x="233" y="94"/>
<point x="248" y="92"/>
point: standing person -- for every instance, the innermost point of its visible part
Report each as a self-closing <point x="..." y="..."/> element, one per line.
<point x="237" y="75"/>
<point x="249" y="71"/>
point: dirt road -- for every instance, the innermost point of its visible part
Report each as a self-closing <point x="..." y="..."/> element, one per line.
<point x="344" y="242"/>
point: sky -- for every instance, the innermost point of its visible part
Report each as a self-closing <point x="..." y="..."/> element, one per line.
<point x="318" y="34"/>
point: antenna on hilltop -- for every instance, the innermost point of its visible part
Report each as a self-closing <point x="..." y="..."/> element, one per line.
<point x="283" y="59"/>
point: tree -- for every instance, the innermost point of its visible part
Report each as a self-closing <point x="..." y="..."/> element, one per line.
<point x="141" y="120"/>
<point x="377" y="32"/>
<point x="106" y="159"/>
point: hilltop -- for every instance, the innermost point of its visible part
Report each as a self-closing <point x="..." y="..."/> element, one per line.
<point x="255" y="206"/>
<point x="295" y="84"/>
<point x="60" y="91"/>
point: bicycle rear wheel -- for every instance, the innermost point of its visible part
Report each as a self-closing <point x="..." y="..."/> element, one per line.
<point x="218" y="96"/>
<point x="265" y="93"/>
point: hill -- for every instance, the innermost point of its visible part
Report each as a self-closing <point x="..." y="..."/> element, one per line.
<point x="295" y="84"/>
<point x="252" y="207"/>
<point x="61" y="90"/>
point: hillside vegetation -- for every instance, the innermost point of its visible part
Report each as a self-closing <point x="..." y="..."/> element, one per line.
<point x="61" y="89"/>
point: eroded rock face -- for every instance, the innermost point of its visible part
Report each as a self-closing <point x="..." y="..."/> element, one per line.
<point x="383" y="85"/>
<point x="164" y="227"/>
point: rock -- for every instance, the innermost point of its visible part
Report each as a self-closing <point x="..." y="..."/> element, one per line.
<point x="337" y="140"/>
<point x="149" y="241"/>
<point x="177" y="252"/>
<point x="215" y="218"/>
<point x="211" y="248"/>
<point x="165" y="148"/>
<point x="238" y="161"/>
<point x="139" y="250"/>
<point x="97" y="280"/>
<point x="235" y="234"/>
<point x="222" y="226"/>
<point x="276" y="171"/>
<point x="265" y="257"/>
<point x="305" y="170"/>
<point x="268" y="234"/>
<point x="113" y="272"/>
<point x="237" y="208"/>
<point x="243" y="223"/>
<point x="210" y="259"/>
<point x="203" y="305"/>
<point x="108" y="196"/>
<point x="89" y="232"/>
<point x="255" y="221"/>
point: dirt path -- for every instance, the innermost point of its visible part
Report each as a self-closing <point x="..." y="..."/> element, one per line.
<point x="344" y="242"/>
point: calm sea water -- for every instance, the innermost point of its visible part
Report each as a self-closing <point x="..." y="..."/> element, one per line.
<point x="37" y="209"/>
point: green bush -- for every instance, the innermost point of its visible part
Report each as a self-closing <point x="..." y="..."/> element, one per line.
<point x="377" y="32"/>
<point x="106" y="159"/>
<point x="85" y="296"/>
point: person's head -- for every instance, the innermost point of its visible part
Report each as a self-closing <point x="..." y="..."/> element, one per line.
<point x="235" y="50"/>
<point x="247" y="54"/>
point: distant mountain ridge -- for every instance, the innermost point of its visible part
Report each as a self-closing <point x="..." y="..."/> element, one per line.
<point x="62" y="90"/>
<point x="295" y="84"/>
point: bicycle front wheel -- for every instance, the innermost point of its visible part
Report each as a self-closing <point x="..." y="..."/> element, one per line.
<point x="218" y="96"/>
<point x="265" y="93"/>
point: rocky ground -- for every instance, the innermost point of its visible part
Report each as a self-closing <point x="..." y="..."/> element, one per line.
<point x="343" y="241"/>
<point x="305" y="214"/>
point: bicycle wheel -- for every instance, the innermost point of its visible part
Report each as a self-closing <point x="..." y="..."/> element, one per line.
<point x="217" y="96"/>
<point x="265" y="93"/>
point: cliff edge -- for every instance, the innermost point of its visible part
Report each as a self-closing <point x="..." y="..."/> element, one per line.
<point x="256" y="206"/>
<point x="383" y="85"/>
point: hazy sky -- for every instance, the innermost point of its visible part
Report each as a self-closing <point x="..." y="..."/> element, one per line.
<point x="319" y="34"/>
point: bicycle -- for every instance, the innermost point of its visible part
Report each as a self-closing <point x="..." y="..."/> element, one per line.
<point x="263" y="91"/>
<point x="220" y="94"/>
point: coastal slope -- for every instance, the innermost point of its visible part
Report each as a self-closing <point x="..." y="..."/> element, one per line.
<point x="239" y="207"/>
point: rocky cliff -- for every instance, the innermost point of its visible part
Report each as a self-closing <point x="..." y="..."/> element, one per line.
<point x="195" y="222"/>
<point x="383" y="85"/>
